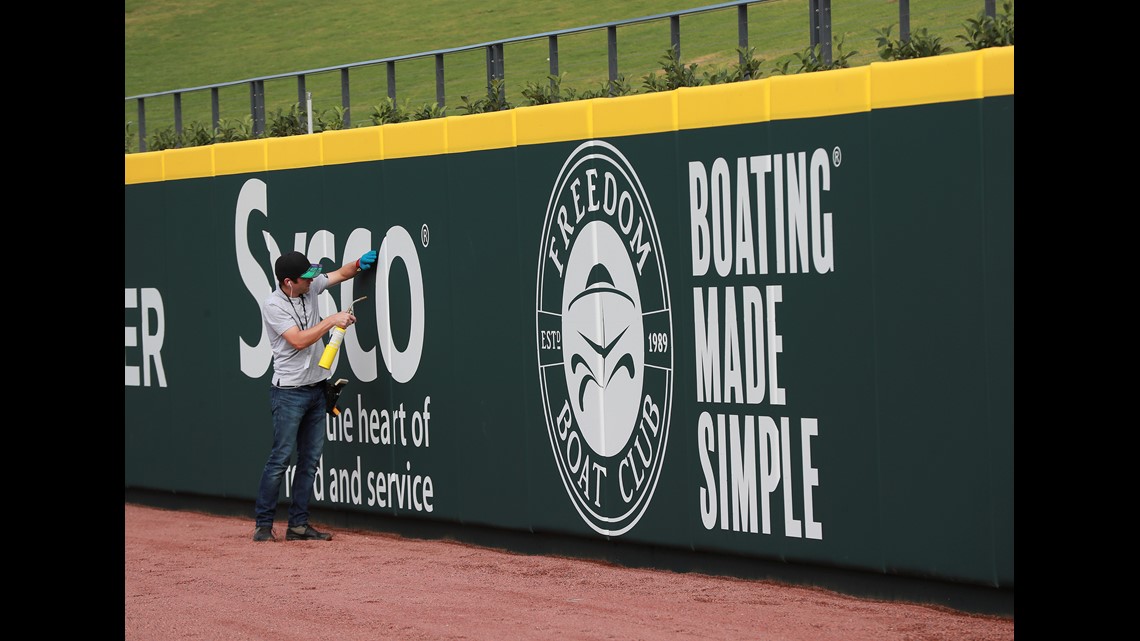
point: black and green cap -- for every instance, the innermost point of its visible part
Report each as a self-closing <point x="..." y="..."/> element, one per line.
<point x="294" y="265"/>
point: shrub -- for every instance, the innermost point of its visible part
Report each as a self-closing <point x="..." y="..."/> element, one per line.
<point x="811" y="60"/>
<point x="617" y="87"/>
<point x="495" y="100"/>
<point x="920" y="45"/>
<point x="747" y="66"/>
<point x="164" y="139"/>
<point x="197" y="134"/>
<point x="673" y="74"/>
<point x="330" y="119"/>
<point x="428" y="111"/>
<point x="386" y="112"/>
<point x="230" y="130"/>
<point x="291" y="122"/>
<point x="983" y="32"/>
<point x="545" y="93"/>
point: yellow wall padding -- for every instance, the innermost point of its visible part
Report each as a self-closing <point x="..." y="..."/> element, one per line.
<point x="556" y="122"/>
<point x="997" y="70"/>
<point x="728" y="104"/>
<point x="830" y="93"/>
<point x="292" y="152"/>
<point x="493" y="130"/>
<point x="637" y="114"/>
<point x="243" y="157"/>
<point x="341" y="146"/>
<point x="146" y="167"/>
<point x="947" y="78"/>
<point x="417" y="138"/>
<point x="189" y="162"/>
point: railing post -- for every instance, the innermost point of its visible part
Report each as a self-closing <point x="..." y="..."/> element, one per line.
<point x="820" y="20"/>
<point x="675" y="35"/>
<point x="611" y="38"/>
<point x="344" y="101"/>
<point x="439" y="97"/>
<point x="302" y="95"/>
<point x="257" y="107"/>
<point x="813" y="22"/>
<point x="742" y="32"/>
<point x="490" y="54"/>
<point x="142" y="125"/>
<point x="904" y="20"/>
<point x="501" y="70"/>
<point x="215" y="109"/>
<point x="552" y="48"/>
<point x="495" y="69"/>
<point x="991" y="8"/>
<point x="261" y="115"/>
<point x="825" y="31"/>
<point x="392" y="80"/>
<point x="178" y="118"/>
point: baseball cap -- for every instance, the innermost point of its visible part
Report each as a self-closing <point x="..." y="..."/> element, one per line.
<point x="294" y="265"/>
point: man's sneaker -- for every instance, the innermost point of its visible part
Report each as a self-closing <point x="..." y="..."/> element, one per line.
<point x="305" y="533"/>
<point x="264" y="533"/>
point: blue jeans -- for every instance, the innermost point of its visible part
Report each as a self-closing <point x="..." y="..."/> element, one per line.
<point x="298" y="421"/>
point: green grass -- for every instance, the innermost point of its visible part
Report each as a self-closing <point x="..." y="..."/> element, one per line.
<point x="172" y="44"/>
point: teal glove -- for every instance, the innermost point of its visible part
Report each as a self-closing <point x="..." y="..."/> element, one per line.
<point x="367" y="260"/>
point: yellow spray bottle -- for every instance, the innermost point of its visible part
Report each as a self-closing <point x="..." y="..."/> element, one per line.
<point x="334" y="342"/>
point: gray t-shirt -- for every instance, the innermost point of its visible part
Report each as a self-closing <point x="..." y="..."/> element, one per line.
<point x="280" y="312"/>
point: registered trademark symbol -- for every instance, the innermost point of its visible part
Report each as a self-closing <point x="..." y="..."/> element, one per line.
<point x="424" y="235"/>
<point x="836" y="156"/>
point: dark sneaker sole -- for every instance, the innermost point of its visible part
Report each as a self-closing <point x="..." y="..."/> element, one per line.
<point x="290" y="536"/>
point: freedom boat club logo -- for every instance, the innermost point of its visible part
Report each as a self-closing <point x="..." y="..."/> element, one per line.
<point x="605" y="348"/>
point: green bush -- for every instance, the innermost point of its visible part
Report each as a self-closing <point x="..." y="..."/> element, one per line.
<point x="162" y="139"/>
<point x="673" y="74"/>
<point x="330" y="119"/>
<point x="197" y="135"/>
<point x="617" y="87"/>
<point x="544" y="93"/>
<point x="984" y="32"/>
<point x="495" y="100"/>
<point x="230" y="130"/>
<point x="748" y="65"/>
<point x="811" y="59"/>
<point x="386" y="112"/>
<point x="920" y="45"/>
<point x="293" y="122"/>
<point x="428" y="111"/>
<point x="552" y="91"/>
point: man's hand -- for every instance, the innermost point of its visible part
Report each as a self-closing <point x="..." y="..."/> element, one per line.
<point x="367" y="260"/>
<point x="343" y="319"/>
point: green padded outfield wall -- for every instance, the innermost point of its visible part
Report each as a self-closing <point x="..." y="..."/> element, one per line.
<point x="771" y="319"/>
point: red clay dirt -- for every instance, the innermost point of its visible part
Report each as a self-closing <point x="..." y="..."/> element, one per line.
<point x="191" y="575"/>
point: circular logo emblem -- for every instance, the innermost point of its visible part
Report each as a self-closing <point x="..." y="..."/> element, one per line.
<point x="605" y="359"/>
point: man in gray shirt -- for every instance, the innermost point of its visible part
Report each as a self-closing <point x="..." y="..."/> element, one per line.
<point x="297" y="392"/>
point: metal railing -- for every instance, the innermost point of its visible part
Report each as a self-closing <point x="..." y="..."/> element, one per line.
<point x="819" y="28"/>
